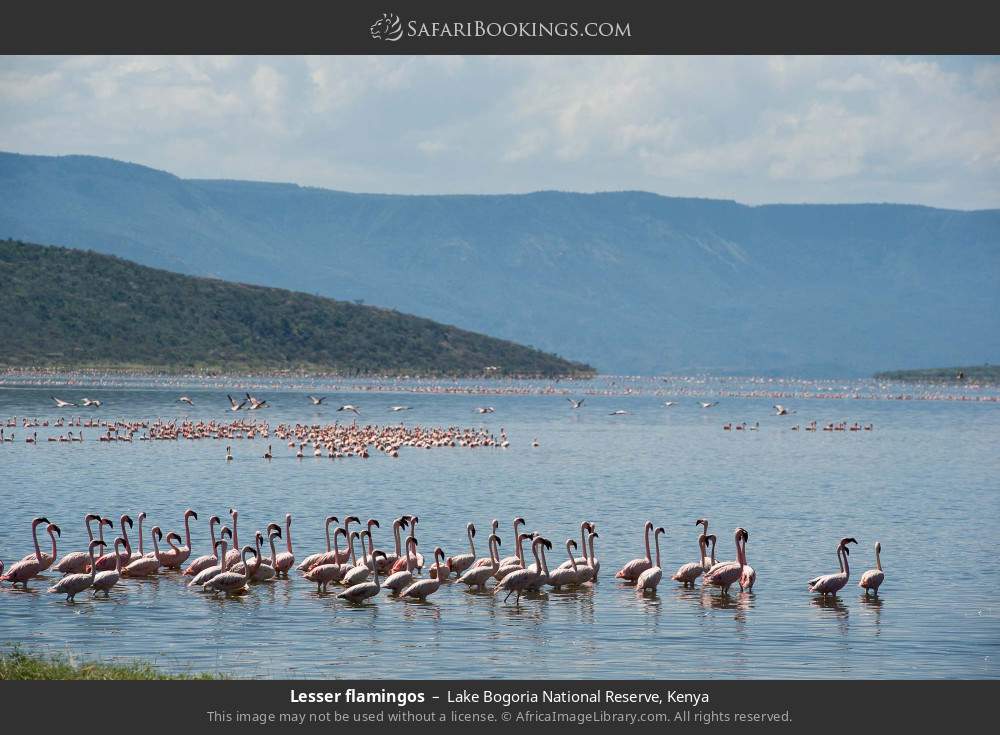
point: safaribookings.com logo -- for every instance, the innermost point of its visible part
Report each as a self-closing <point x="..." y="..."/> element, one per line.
<point x="390" y="28"/>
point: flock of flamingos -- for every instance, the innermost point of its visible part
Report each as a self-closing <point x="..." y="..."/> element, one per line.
<point x="232" y="569"/>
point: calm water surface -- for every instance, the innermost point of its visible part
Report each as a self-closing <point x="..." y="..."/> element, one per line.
<point x="924" y="483"/>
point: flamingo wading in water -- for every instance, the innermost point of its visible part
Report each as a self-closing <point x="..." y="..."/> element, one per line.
<point x="830" y="584"/>
<point x="631" y="571"/>
<point x="873" y="578"/>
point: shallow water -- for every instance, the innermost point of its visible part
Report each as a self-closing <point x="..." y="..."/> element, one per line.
<point x="923" y="483"/>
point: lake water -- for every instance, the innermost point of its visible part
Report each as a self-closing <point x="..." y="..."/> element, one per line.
<point x="923" y="482"/>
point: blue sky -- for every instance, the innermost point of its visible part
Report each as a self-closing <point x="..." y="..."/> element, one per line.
<point x="754" y="129"/>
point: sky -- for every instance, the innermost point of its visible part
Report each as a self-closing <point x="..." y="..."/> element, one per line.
<point x="754" y="129"/>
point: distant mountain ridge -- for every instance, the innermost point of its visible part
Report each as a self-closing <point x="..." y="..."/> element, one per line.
<point x="74" y="309"/>
<point x="630" y="282"/>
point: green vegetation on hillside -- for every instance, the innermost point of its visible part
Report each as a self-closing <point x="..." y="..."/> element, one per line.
<point x="75" y="309"/>
<point x="970" y="374"/>
<point x="17" y="664"/>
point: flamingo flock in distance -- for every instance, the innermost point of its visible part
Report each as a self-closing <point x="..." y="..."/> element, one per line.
<point x="363" y="571"/>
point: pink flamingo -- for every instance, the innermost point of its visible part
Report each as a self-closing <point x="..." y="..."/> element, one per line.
<point x="507" y="566"/>
<point x="631" y="571"/>
<point x="584" y="528"/>
<point x="400" y="564"/>
<point x="144" y="566"/>
<point x="72" y="584"/>
<point x="565" y="575"/>
<point x="25" y="569"/>
<point x="204" y="562"/>
<point x="174" y="558"/>
<point x="649" y="580"/>
<point x="104" y="581"/>
<point x="392" y="557"/>
<point x="46" y="559"/>
<point x="461" y="562"/>
<point x="518" y="557"/>
<point x="324" y="574"/>
<point x="725" y="574"/>
<point x="477" y="575"/>
<point x="284" y="561"/>
<point x="230" y="583"/>
<point x="313" y="559"/>
<point x="76" y="561"/>
<point x="873" y="578"/>
<point x="184" y="552"/>
<point x="397" y="581"/>
<point x="106" y="562"/>
<point x="423" y="588"/>
<point x="688" y="573"/>
<point x="365" y="589"/>
<point x="522" y="579"/>
<point x="234" y="553"/>
<point x="206" y="574"/>
<point x="830" y="584"/>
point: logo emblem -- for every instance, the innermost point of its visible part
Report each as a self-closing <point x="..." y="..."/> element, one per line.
<point x="387" y="28"/>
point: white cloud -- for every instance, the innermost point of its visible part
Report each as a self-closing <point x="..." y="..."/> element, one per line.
<point x="756" y="129"/>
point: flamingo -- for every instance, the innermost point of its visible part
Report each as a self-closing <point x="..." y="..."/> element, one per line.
<point x="229" y="454"/>
<point x="460" y="563"/>
<point x="234" y="553"/>
<point x="61" y="403"/>
<point x="688" y="573"/>
<point x="267" y="454"/>
<point x="262" y="571"/>
<point x="486" y="409"/>
<point x="143" y="565"/>
<point x="283" y="562"/>
<point x="204" y="562"/>
<point x="185" y="399"/>
<point x="780" y="410"/>
<point x="873" y="578"/>
<point x="631" y="571"/>
<point x="207" y="574"/>
<point x="370" y="559"/>
<point x="107" y="561"/>
<point x="75" y="562"/>
<point x="324" y="574"/>
<point x="392" y="557"/>
<point x="229" y="583"/>
<point x="317" y="400"/>
<point x="400" y="564"/>
<point x="72" y="584"/>
<point x="724" y="574"/>
<point x="584" y="528"/>
<point x="105" y="581"/>
<point x="477" y="575"/>
<point x="423" y="588"/>
<point x="25" y="569"/>
<point x="397" y="581"/>
<point x="363" y="590"/>
<point x="357" y="573"/>
<point x="565" y="575"/>
<point x="830" y="584"/>
<point x="349" y="407"/>
<point x="649" y="580"/>
<point x="177" y="556"/>
<point x="401" y="408"/>
<point x="518" y="557"/>
<point x="594" y="562"/>
<point x="520" y="580"/>
<point x="233" y="405"/>
<point x="256" y="403"/>
<point x="507" y="566"/>
<point x="313" y="559"/>
<point x="46" y="558"/>
<point x="576" y="403"/>
<point x="707" y="404"/>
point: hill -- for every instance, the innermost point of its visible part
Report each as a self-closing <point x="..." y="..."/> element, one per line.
<point x="627" y="281"/>
<point x="68" y="308"/>
<point x="966" y="374"/>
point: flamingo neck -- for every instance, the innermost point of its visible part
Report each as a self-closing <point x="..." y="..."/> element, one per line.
<point x="187" y="530"/>
<point x="847" y="567"/>
<point x="118" y="558"/>
<point x="328" y="537"/>
<point x="236" y="534"/>
<point x="211" y="530"/>
<point x="52" y="535"/>
<point x="656" y="538"/>
<point x="701" y="549"/>
<point x="34" y="538"/>
<point x="520" y="548"/>
<point x="545" y="564"/>
<point x="572" y="559"/>
<point x="592" y="558"/>
<point x="878" y="560"/>
<point x="141" y="550"/>
<point x="649" y="556"/>
<point x="583" y="541"/>
<point x="468" y="532"/>
<point x="90" y="534"/>
<point x="395" y="535"/>
<point x="411" y="557"/>
<point x="740" y="552"/>
<point x="288" y="534"/>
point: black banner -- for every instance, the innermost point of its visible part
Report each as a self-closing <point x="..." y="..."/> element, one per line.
<point x="513" y="27"/>
<point x="450" y="706"/>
